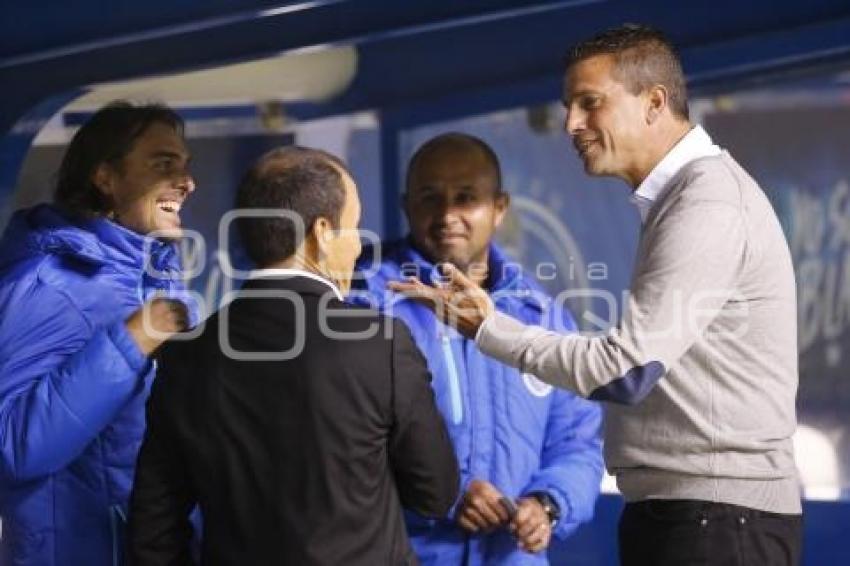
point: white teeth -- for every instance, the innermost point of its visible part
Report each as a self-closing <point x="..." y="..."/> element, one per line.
<point x="170" y="206"/>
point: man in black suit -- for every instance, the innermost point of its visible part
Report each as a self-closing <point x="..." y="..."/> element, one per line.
<point x="299" y="424"/>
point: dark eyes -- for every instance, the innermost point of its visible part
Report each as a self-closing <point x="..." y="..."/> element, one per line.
<point x="426" y="197"/>
<point x="458" y="199"/>
<point x="164" y="165"/>
<point x="589" y="102"/>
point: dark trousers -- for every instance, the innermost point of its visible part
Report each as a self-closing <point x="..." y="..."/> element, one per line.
<point x="686" y="532"/>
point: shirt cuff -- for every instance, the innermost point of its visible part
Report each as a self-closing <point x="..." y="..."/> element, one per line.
<point x="483" y="324"/>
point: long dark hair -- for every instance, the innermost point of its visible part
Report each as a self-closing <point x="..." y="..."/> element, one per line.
<point x="107" y="137"/>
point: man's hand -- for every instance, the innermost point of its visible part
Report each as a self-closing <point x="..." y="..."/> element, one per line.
<point x="459" y="302"/>
<point x="156" y="321"/>
<point x="531" y="525"/>
<point x="481" y="509"/>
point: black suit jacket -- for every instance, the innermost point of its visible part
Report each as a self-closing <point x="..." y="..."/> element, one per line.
<point x="305" y="460"/>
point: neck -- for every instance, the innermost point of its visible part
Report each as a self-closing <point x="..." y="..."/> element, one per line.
<point x="478" y="270"/>
<point x="300" y="262"/>
<point x="667" y="138"/>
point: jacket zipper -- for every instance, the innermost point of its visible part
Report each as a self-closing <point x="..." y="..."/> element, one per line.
<point x="118" y="522"/>
<point x="454" y="381"/>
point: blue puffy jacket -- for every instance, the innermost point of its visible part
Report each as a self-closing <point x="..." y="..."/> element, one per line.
<point x="512" y="430"/>
<point x="72" y="384"/>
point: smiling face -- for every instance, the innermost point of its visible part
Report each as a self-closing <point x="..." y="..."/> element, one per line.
<point x="454" y="205"/>
<point x="607" y="123"/>
<point x="148" y="187"/>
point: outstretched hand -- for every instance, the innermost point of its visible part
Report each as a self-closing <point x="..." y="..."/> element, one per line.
<point x="458" y="301"/>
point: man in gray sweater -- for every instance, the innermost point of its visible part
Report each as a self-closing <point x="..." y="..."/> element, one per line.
<point x="701" y="371"/>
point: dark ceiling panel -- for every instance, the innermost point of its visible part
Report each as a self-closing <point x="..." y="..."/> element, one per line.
<point x="410" y="51"/>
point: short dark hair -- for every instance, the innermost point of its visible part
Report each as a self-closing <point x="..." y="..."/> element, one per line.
<point x="305" y="181"/>
<point x="107" y="137"/>
<point x="643" y="57"/>
<point x="456" y="139"/>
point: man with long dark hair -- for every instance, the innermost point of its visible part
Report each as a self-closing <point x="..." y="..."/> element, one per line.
<point x="77" y="280"/>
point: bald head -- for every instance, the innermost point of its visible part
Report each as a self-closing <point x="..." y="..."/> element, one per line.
<point x="455" y="143"/>
<point x="454" y="200"/>
<point x="305" y="181"/>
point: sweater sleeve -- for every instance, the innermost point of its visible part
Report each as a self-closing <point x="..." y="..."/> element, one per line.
<point x="687" y="272"/>
<point x="61" y="382"/>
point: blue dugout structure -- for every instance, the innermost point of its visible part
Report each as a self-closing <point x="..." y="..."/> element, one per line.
<point x="419" y="62"/>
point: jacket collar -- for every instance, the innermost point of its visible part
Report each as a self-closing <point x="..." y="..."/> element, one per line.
<point x="298" y="281"/>
<point x="297" y="273"/>
<point x="97" y="241"/>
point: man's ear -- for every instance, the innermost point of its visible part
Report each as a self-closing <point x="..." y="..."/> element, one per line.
<point x="656" y="103"/>
<point x="103" y="178"/>
<point x="322" y="232"/>
<point x="501" y="203"/>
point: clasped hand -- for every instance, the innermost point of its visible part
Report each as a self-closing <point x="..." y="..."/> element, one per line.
<point x="156" y="321"/>
<point x="482" y="511"/>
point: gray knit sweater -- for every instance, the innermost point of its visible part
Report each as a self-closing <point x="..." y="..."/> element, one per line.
<point x="701" y="372"/>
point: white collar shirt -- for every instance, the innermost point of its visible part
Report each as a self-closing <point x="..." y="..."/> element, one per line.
<point x="290" y="272"/>
<point x="694" y="145"/>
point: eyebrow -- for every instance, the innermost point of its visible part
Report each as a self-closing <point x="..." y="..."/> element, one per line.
<point x="159" y="154"/>
<point x="429" y="188"/>
<point x="579" y="93"/>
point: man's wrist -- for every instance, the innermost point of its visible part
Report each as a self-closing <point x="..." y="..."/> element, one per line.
<point x="481" y="326"/>
<point x="550" y="506"/>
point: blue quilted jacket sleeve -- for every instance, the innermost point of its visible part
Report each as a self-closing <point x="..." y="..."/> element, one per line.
<point x="571" y="464"/>
<point x="61" y="380"/>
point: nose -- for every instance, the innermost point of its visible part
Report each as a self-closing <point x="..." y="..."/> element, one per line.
<point x="447" y="212"/>
<point x="440" y="206"/>
<point x="186" y="182"/>
<point x="574" y="121"/>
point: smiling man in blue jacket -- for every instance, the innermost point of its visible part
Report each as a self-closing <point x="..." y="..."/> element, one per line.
<point x="75" y="365"/>
<point x="529" y="455"/>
